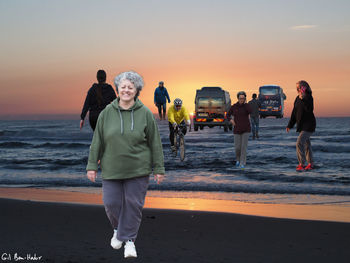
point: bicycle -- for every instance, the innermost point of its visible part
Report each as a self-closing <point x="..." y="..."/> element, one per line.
<point x="179" y="141"/>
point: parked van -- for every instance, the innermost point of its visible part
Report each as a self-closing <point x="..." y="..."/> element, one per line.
<point x="272" y="99"/>
<point x="211" y="106"/>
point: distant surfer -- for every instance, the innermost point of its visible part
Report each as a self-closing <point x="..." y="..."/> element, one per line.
<point x="303" y="116"/>
<point x="97" y="98"/>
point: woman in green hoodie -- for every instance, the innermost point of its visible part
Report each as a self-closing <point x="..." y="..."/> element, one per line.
<point x="127" y="143"/>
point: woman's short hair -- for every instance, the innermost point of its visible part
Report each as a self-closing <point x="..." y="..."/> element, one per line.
<point x="133" y="77"/>
<point x="101" y="76"/>
<point x="241" y="93"/>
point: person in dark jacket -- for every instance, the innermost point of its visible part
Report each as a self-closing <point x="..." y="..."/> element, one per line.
<point x="97" y="98"/>
<point x="304" y="117"/>
<point x="240" y="112"/>
<point x="160" y="97"/>
<point x="254" y="116"/>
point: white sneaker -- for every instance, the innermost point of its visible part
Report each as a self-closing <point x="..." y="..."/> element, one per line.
<point x="115" y="243"/>
<point x="130" y="250"/>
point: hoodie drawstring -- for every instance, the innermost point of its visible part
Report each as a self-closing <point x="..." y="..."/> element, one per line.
<point x="121" y="122"/>
<point x="132" y="119"/>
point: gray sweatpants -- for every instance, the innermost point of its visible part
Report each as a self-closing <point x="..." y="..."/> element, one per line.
<point x="241" y="143"/>
<point x="123" y="201"/>
<point x="304" y="147"/>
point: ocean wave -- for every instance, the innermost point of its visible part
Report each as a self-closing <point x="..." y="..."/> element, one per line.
<point x="343" y="139"/>
<point x="303" y="178"/>
<point x="62" y="145"/>
<point x="331" y="148"/>
<point x="184" y="187"/>
<point x="273" y="128"/>
<point x="7" y="132"/>
<point x="345" y="164"/>
<point x="212" y="164"/>
<point x="223" y="139"/>
<point x="50" y="182"/>
<point x="36" y="151"/>
<point x="262" y="189"/>
<point x="38" y="133"/>
<point x="14" y="144"/>
<point x="332" y="132"/>
<point x="42" y="161"/>
<point x="33" y="133"/>
<point x="268" y="159"/>
<point x="52" y="126"/>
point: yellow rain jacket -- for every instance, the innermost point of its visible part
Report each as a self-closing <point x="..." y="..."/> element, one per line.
<point x="175" y="116"/>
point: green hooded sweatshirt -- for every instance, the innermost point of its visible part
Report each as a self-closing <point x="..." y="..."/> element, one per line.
<point x="127" y="142"/>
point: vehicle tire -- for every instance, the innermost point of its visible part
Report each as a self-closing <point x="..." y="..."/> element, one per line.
<point x="195" y="127"/>
<point x="182" y="148"/>
<point x="201" y="127"/>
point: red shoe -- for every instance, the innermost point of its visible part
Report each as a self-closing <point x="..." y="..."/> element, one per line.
<point x="309" y="167"/>
<point x="300" y="168"/>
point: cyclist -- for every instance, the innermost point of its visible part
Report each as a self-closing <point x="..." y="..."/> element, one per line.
<point x="177" y="115"/>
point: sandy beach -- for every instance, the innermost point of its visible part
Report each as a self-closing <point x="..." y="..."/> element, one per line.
<point x="67" y="232"/>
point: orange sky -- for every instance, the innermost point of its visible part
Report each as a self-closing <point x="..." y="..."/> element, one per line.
<point x="49" y="62"/>
<point x="65" y="94"/>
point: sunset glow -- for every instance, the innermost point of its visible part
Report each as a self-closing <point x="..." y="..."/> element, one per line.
<point x="49" y="61"/>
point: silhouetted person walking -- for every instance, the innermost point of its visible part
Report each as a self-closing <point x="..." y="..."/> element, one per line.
<point x="97" y="98"/>
<point x="254" y="116"/>
<point x="160" y="97"/>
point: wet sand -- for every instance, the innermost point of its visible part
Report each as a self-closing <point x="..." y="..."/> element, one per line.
<point x="62" y="232"/>
<point x="331" y="212"/>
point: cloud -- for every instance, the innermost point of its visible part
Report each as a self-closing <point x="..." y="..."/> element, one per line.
<point x="303" y="27"/>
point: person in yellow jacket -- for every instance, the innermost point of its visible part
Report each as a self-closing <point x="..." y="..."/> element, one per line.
<point x="177" y="114"/>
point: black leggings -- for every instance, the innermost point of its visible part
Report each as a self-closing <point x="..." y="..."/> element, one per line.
<point x="171" y="129"/>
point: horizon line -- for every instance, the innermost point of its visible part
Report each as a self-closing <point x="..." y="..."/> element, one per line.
<point x="76" y="116"/>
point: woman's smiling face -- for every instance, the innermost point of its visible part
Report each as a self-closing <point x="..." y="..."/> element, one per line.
<point x="126" y="90"/>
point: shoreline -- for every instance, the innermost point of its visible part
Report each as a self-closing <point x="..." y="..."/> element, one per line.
<point x="324" y="212"/>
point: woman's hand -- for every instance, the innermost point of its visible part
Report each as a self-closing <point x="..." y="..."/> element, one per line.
<point x="81" y="124"/>
<point x="91" y="175"/>
<point x="158" y="178"/>
<point x="233" y="122"/>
